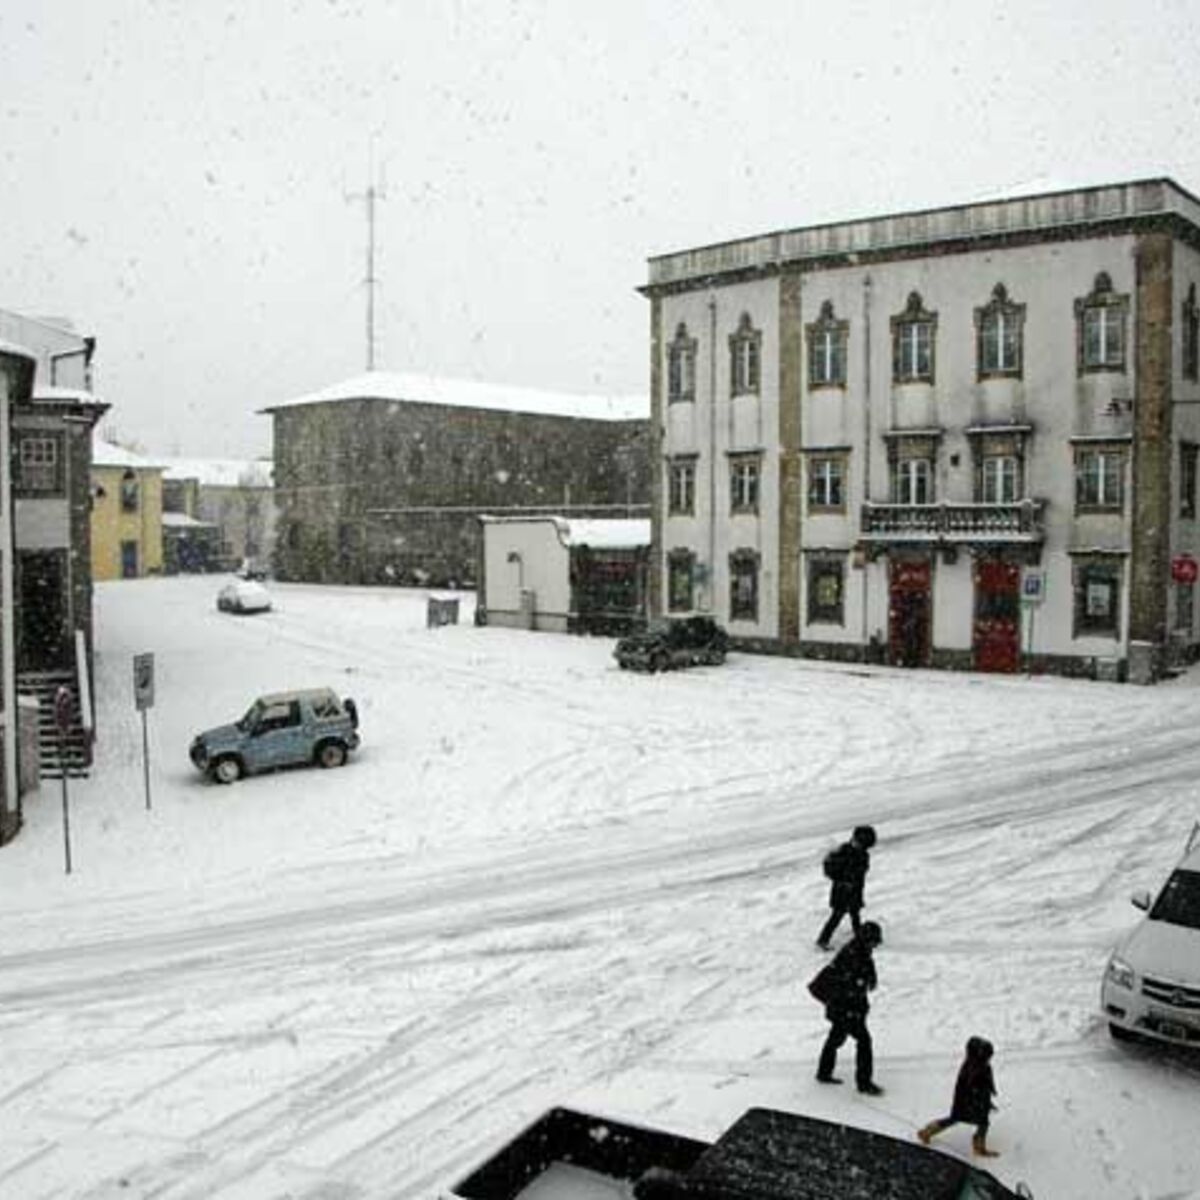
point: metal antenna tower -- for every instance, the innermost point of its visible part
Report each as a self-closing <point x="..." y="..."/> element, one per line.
<point x="375" y="191"/>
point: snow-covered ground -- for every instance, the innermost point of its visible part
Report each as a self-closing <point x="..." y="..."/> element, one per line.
<point x="546" y="881"/>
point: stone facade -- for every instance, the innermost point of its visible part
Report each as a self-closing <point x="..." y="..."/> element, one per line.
<point x="964" y="437"/>
<point x="384" y="489"/>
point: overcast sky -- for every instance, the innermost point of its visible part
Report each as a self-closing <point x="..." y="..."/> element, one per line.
<point x="177" y="173"/>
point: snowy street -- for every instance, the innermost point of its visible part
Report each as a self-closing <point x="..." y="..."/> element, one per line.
<point x="546" y="881"/>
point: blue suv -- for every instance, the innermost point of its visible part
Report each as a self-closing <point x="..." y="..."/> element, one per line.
<point x="285" y="729"/>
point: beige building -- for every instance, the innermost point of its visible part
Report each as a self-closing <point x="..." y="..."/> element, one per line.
<point x="127" y="526"/>
<point x="964" y="437"/>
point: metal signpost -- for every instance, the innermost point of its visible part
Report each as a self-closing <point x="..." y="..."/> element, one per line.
<point x="1033" y="592"/>
<point x="62" y="721"/>
<point x="143" y="697"/>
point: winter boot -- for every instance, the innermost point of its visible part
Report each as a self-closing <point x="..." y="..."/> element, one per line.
<point x="980" y="1147"/>
<point x="929" y="1131"/>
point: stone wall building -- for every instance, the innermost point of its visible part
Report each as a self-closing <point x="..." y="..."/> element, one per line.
<point x="380" y="479"/>
<point x="964" y="437"/>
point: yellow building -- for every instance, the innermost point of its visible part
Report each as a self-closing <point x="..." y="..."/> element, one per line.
<point x="127" y="538"/>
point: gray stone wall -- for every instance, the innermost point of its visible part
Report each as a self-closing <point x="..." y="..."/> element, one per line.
<point x="377" y="491"/>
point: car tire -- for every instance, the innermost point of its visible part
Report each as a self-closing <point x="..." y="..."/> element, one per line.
<point x="331" y="754"/>
<point x="1120" y="1033"/>
<point x="660" y="662"/>
<point x="227" y="769"/>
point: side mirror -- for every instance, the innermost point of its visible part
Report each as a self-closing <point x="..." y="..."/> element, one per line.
<point x="1140" y="900"/>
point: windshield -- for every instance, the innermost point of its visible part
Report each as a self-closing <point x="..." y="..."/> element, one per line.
<point x="1179" y="902"/>
<point x="250" y="720"/>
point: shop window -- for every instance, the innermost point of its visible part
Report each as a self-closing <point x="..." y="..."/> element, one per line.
<point x="1097" y="599"/>
<point x="826" y="586"/>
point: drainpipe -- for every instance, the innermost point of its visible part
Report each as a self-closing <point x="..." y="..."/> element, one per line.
<point x="866" y="471"/>
<point x="712" y="451"/>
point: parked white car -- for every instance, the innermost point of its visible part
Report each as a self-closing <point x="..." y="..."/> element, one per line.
<point x="1151" y="985"/>
<point x="244" y="596"/>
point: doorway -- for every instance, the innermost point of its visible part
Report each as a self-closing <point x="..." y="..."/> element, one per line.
<point x="129" y="560"/>
<point x="909" y="612"/>
<point x="996" y="639"/>
<point x="42" y="602"/>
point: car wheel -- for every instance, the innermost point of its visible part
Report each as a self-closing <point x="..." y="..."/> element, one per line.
<point x="1120" y="1033"/>
<point x="227" y="769"/>
<point x="622" y="664"/>
<point x="331" y="754"/>
<point x="660" y="662"/>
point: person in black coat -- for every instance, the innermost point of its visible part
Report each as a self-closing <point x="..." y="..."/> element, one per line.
<point x="847" y="867"/>
<point x="842" y="986"/>
<point x="973" y="1092"/>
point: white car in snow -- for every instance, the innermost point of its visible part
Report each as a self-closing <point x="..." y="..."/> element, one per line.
<point x="1151" y="985"/>
<point x="244" y="596"/>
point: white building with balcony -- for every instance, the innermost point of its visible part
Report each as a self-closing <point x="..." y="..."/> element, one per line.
<point x="964" y="437"/>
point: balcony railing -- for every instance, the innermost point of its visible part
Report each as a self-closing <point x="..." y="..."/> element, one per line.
<point x="1020" y="521"/>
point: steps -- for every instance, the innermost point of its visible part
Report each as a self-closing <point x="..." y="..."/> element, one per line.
<point x="75" y="748"/>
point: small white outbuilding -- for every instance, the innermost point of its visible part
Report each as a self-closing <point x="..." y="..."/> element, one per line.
<point x="563" y="574"/>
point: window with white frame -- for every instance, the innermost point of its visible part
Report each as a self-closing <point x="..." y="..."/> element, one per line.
<point x="1190" y="365"/>
<point x="827" y="341"/>
<point x="1187" y="479"/>
<point x="913" y="343"/>
<point x="826" y="479"/>
<point x="745" y="354"/>
<point x="743" y="585"/>
<point x="681" y="367"/>
<point x="743" y="483"/>
<point x="912" y="481"/>
<point x="1099" y="477"/>
<point x="1097" y="598"/>
<point x="826" y="587"/>
<point x="1000" y="328"/>
<point x="681" y="486"/>
<point x="1100" y="327"/>
<point x="38" y="465"/>
<point x="1000" y="479"/>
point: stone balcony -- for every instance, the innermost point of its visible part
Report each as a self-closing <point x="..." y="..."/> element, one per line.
<point x="961" y="523"/>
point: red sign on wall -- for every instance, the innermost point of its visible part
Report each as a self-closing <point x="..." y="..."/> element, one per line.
<point x="1184" y="568"/>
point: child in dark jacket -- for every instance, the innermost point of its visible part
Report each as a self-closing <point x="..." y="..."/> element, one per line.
<point x="973" y="1092"/>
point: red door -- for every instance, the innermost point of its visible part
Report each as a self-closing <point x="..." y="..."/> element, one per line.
<point x="909" y="612"/>
<point x="997" y="636"/>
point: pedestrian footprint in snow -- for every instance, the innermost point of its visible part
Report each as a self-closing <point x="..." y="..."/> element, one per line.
<point x="842" y="986"/>
<point x="846" y="868"/>
<point x="973" y="1092"/>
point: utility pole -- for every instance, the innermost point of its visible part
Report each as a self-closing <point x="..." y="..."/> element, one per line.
<point x="375" y="191"/>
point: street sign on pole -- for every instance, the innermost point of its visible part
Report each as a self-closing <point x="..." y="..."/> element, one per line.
<point x="1184" y="568"/>
<point x="143" y="681"/>
<point x="143" y="697"/>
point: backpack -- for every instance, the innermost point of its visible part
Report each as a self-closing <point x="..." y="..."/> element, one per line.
<point x="837" y="862"/>
<point x="821" y="986"/>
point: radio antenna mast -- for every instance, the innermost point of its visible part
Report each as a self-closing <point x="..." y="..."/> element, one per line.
<point x="375" y="191"/>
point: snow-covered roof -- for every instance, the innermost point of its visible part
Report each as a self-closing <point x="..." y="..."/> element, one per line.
<point x="472" y="393"/>
<point x="220" y="472"/>
<point x="178" y="520"/>
<point x="13" y="348"/>
<point x="67" y="395"/>
<point x="106" y="454"/>
<point x="624" y="533"/>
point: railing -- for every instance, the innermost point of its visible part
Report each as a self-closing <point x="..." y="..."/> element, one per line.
<point x="1017" y="522"/>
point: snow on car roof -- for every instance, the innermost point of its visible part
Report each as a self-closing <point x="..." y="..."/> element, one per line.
<point x="414" y="388"/>
<point x="298" y="694"/>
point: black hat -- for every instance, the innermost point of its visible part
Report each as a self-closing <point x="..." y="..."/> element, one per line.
<point x="864" y="835"/>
